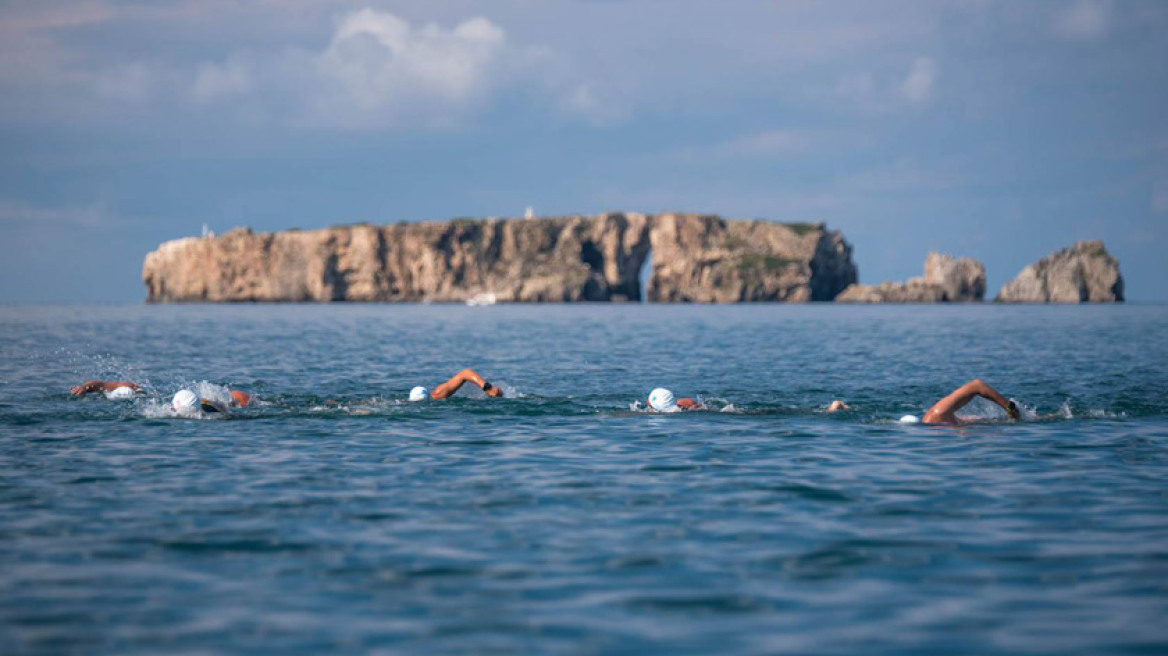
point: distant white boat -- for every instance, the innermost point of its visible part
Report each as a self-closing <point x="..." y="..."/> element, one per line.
<point x="487" y="298"/>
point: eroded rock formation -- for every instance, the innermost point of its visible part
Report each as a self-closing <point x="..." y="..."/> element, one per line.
<point x="947" y="280"/>
<point x="697" y="258"/>
<point x="707" y="259"/>
<point x="1083" y="273"/>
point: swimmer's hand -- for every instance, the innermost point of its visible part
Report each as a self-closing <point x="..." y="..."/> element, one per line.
<point x="1012" y="411"/>
<point x="88" y="387"/>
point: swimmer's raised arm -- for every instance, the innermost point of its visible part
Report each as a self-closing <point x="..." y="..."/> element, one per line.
<point x="95" y="386"/>
<point x="447" y="389"/>
<point x="943" y="411"/>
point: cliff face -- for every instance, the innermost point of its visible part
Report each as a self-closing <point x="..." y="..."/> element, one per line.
<point x="563" y="259"/>
<point x="947" y="280"/>
<point x="1083" y="273"/>
<point x="706" y="259"/>
<point x="696" y="258"/>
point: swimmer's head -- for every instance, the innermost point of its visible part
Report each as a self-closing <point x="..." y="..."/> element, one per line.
<point x="185" y="402"/>
<point x="419" y="393"/>
<point x="240" y="399"/>
<point x="661" y="400"/>
<point x="910" y="419"/>
<point x="120" y="393"/>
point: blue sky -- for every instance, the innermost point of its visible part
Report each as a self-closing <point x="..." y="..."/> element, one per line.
<point x="997" y="130"/>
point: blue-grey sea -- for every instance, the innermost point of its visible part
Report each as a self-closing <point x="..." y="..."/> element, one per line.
<point x="335" y="517"/>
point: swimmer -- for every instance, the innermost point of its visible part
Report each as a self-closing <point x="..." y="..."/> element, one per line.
<point x="111" y="388"/>
<point x="186" y="402"/>
<point x="944" y="411"/>
<point x="661" y="400"/>
<point x="447" y="389"/>
<point x="837" y="405"/>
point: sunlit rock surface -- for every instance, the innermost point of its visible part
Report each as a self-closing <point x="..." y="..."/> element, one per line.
<point x="947" y="280"/>
<point x="707" y="259"/>
<point x="565" y="259"/>
<point x="1083" y="273"/>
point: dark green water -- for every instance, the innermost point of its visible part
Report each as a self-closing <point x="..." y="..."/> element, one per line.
<point x="333" y="517"/>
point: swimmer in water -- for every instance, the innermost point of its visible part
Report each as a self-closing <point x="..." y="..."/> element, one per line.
<point x="111" y="388"/>
<point x="837" y="405"/>
<point x="186" y="402"/>
<point x="661" y="400"/>
<point x="447" y="389"/>
<point x="944" y="411"/>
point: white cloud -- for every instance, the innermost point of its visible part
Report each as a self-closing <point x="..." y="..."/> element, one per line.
<point x="584" y="100"/>
<point x="379" y="59"/>
<point x="94" y="215"/>
<point x="215" y="81"/>
<point x="763" y="145"/>
<point x="1083" y="20"/>
<point x="918" y="85"/>
<point x="771" y="142"/>
<point x="129" y="83"/>
<point x="380" y="70"/>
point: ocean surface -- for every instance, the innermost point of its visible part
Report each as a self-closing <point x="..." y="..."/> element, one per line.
<point x="335" y="517"/>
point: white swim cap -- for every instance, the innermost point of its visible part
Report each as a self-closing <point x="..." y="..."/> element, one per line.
<point x="419" y="393"/>
<point x="910" y="419"/>
<point x="661" y="400"/>
<point x="185" y="401"/>
<point x="120" y="393"/>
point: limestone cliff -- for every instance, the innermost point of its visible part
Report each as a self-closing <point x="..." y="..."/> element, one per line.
<point x="700" y="258"/>
<point x="706" y="259"/>
<point x="947" y="280"/>
<point x="1083" y="273"/>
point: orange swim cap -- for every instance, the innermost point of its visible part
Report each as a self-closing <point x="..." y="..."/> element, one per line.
<point x="241" y="398"/>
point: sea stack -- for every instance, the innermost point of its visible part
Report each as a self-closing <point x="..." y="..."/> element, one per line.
<point x="947" y="280"/>
<point x="1083" y="273"/>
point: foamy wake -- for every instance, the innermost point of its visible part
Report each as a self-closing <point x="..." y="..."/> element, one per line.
<point x="510" y="392"/>
<point x="160" y="408"/>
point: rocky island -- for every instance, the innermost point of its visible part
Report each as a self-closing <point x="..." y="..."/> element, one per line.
<point x="1083" y="273"/>
<point x="947" y="280"/>
<point x="611" y="257"/>
<point x="692" y="258"/>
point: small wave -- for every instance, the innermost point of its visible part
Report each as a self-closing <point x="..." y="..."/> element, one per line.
<point x="212" y="392"/>
<point x="1066" y="411"/>
<point x="717" y="403"/>
<point x="511" y="392"/>
<point x="160" y="409"/>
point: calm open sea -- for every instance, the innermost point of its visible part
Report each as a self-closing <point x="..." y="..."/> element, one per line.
<point x="333" y="517"/>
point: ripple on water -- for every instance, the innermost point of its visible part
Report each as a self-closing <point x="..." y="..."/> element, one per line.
<point x="332" y="516"/>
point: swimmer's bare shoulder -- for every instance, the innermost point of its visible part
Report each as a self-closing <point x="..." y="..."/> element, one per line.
<point x="95" y="386"/>
<point x="945" y="410"/>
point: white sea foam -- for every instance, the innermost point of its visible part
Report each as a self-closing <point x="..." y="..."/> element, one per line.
<point x="211" y="392"/>
<point x="120" y="394"/>
<point x="510" y="392"/>
<point x="155" y="408"/>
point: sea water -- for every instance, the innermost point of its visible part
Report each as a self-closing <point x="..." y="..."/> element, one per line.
<point x="333" y="516"/>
